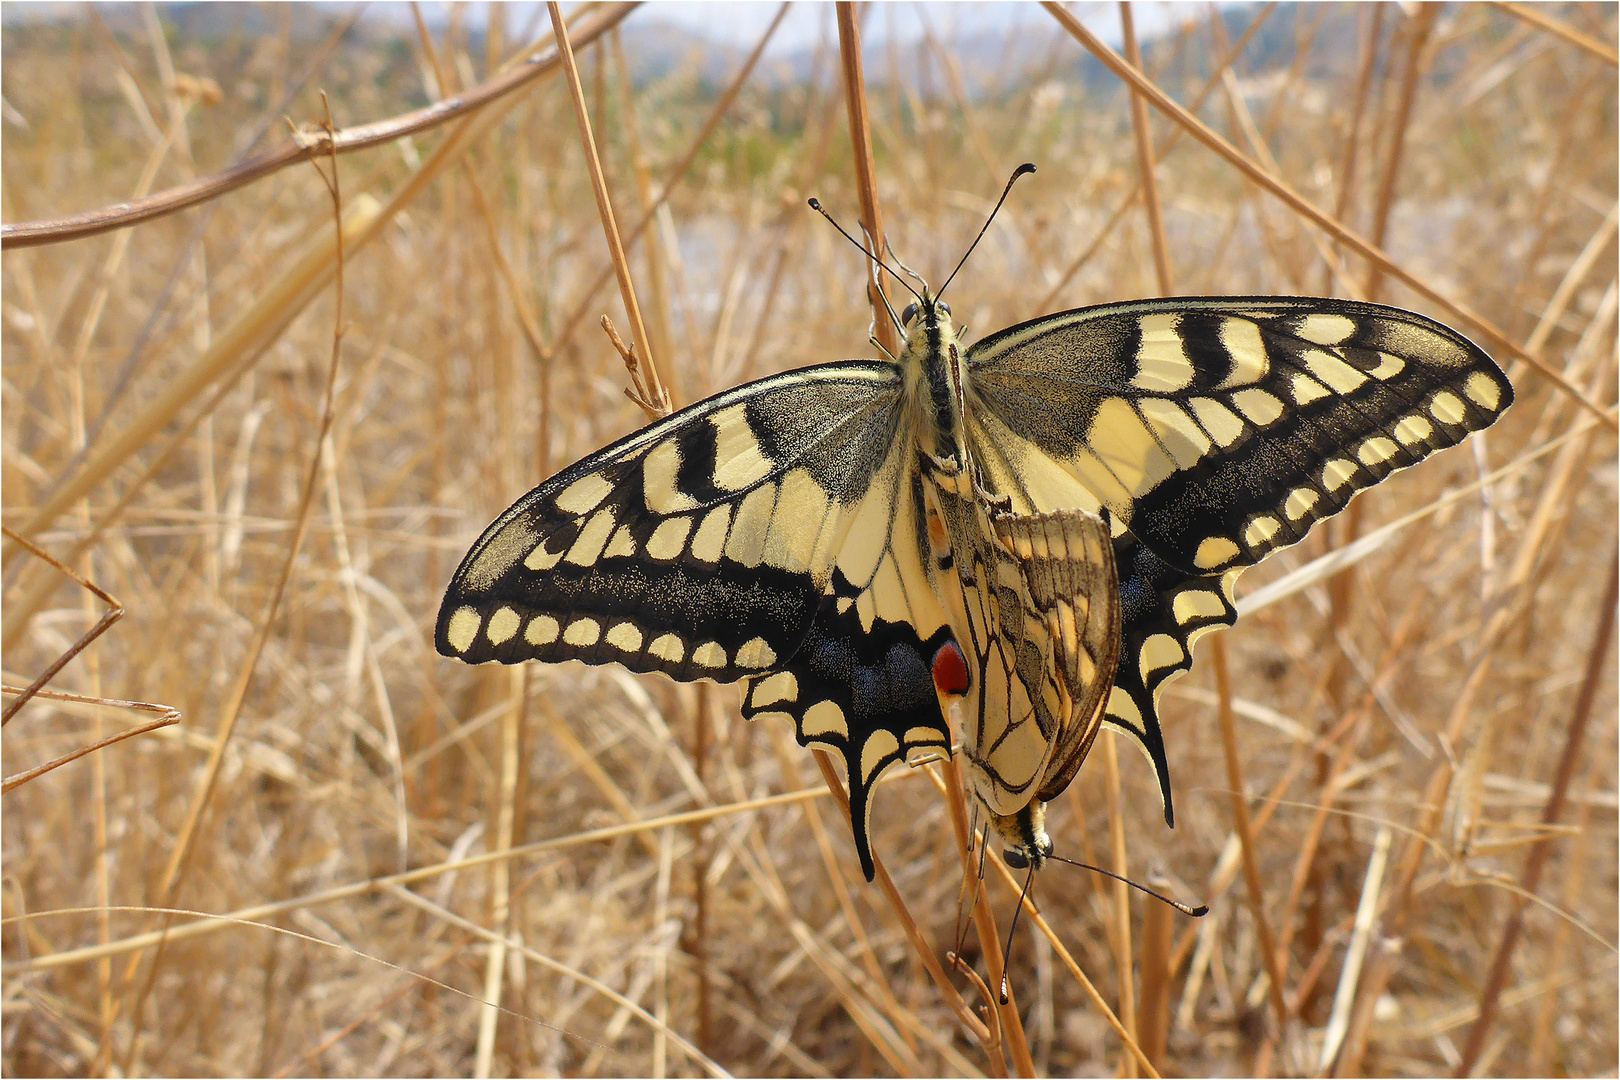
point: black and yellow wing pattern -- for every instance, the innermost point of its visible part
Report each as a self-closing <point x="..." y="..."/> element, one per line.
<point x="776" y="533"/>
<point x="752" y="536"/>
<point x="1216" y="430"/>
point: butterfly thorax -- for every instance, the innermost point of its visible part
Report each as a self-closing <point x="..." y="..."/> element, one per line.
<point x="935" y="371"/>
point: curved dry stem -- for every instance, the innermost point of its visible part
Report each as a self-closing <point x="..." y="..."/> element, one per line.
<point x="305" y="145"/>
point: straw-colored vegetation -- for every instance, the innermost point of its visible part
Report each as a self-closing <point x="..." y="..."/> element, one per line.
<point x="165" y="393"/>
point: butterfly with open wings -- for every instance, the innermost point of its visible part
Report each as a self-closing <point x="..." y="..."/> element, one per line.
<point x="1030" y="530"/>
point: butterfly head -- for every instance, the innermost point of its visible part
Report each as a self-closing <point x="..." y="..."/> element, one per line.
<point x="1024" y="837"/>
<point x="931" y="308"/>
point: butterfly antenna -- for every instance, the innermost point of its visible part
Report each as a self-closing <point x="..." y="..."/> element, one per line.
<point x="1026" y="167"/>
<point x="815" y="204"/>
<point x="1006" y="954"/>
<point x="1186" y="909"/>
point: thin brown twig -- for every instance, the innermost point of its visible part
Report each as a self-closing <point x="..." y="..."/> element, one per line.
<point x="304" y="145"/>
<point x="1552" y="812"/>
<point x="641" y="389"/>
<point x="114" y="612"/>
<point x="1356" y="953"/>
<point x="167" y="714"/>
<point x="451" y="918"/>
<point x="604" y="205"/>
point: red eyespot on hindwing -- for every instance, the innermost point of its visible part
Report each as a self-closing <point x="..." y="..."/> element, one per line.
<point x="951" y="671"/>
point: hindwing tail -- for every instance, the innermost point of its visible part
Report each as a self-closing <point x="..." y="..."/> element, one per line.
<point x="1163" y="613"/>
<point x="863" y="691"/>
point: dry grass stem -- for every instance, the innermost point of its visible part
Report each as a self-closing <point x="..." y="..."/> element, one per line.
<point x="655" y="393"/>
<point x="1542" y="21"/>
<point x="860" y="139"/>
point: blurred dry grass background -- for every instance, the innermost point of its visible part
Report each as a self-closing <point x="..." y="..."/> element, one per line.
<point x="1414" y="709"/>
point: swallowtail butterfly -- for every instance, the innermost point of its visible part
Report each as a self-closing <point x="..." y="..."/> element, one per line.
<point x="1033" y="528"/>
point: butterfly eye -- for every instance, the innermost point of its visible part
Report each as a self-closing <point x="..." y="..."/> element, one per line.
<point x="1015" y="858"/>
<point x="907" y="315"/>
<point x="943" y="308"/>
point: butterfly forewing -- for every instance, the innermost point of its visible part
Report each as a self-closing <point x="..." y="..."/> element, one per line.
<point x="1220" y="429"/>
<point x="700" y="546"/>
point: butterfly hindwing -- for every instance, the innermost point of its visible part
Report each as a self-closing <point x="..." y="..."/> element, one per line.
<point x="1067" y="562"/>
<point x="1163" y="613"/>
<point x="863" y="690"/>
